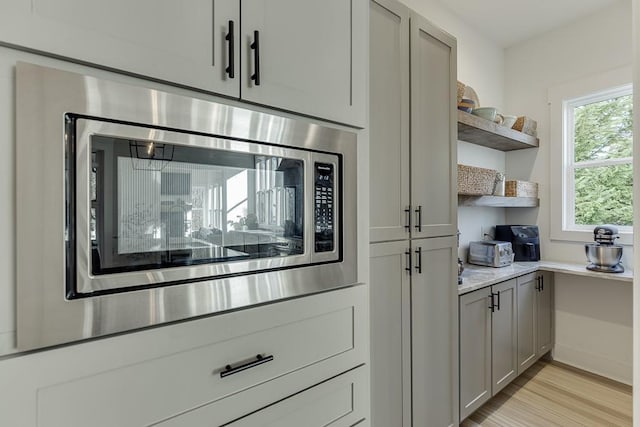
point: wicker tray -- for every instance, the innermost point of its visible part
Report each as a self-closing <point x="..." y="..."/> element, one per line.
<point x="516" y="188"/>
<point x="474" y="181"/>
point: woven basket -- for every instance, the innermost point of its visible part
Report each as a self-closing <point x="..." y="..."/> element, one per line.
<point x="526" y="125"/>
<point x="474" y="181"/>
<point x="461" y="87"/>
<point x="521" y="189"/>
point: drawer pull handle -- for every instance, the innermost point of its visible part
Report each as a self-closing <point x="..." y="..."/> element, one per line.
<point x="259" y="360"/>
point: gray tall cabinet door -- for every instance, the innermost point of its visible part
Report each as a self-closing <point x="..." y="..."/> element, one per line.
<point x="389" y="120"/>
<point x="475" y="350"/>
<point x="544" y="311"/>
<point x="527" y="320"/>
<point x="329" y="46"/>
<point x="504" y="330"/>
<point x="389" y="295"/>
<point x="434" y="324"/>
<point x="433" y="130"/>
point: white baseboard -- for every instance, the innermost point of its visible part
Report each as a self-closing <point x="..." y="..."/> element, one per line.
<point x="613" y="369"/>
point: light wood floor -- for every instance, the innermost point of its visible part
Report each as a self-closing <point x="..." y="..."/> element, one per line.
<point x="553" y="394"/>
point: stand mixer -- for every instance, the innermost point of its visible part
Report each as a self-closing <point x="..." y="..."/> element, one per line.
<point x="604" y="255"/>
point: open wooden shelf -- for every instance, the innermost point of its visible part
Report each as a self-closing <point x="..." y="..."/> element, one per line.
<point x="479" y="131"/>
<point x="498" y="201"/>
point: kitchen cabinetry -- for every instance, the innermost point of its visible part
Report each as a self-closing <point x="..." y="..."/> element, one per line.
<point x="544" y="311"/>
<point x="338" y="402"/>
<point x="535" y="334"/>
<point x="413" y="217"/>
<point x="412" y="196"/>
<point x="167" y="372"/>
<point x="504" y="329"/>
<point x="488" y="343"/>
<point x="275" y="55"/>
<point x="413" y="328"/>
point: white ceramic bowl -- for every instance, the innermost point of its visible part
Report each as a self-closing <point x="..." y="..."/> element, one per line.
<point x="509" y="121"/>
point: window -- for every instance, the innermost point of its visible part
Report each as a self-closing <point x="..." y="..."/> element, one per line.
<point x="598" y="157"/>
<point x="591" y="149"/>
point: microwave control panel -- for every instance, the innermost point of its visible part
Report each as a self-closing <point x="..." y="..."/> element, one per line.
<point x="324" y="207"/>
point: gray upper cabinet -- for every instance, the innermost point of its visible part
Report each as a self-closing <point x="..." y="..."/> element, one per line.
<point x="162" y="39"/>
<point x="433" y="130"/>
<point x="310" y="56"/>
<point x="413" y="138"/>
<point x="389" y="121"/>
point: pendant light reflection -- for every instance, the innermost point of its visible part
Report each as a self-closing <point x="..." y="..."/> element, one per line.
<point x="150" y="155"/>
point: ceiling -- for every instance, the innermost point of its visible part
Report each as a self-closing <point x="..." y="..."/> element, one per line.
<point x="508" y="22"/>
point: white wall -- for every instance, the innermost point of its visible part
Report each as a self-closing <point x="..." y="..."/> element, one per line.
<point x="595" y="44"/>
<point x="636" y="216"/>
<point x="481" y="66"/>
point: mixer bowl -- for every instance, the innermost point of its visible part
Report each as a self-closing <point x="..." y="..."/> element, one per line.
<point x="603" y="255"/>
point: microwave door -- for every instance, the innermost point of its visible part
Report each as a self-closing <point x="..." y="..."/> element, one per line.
<point x="155" y="206"/>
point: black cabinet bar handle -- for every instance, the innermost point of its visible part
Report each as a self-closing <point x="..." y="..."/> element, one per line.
<point x="408" y="223"/>
<point x="259" y="360"/>
<point x="231" y="70"/>
<point x="492" y="306"/>
<point x="419" y="218"/>
<point x="541" y="283"/>
<point x="498" y="294"/>
<point x="408" y="267"/>
<point x="256" y="58"/>
<point x="419" y="260"/>
<point x="538" y="283"/>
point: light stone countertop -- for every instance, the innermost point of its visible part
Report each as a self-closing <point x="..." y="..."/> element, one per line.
<point x="476" y="277"/>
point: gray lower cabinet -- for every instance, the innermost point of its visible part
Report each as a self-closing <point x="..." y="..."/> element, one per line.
<point x="504" y="329"/>
<point x="475" y="350"/>
<point x="315" y="373"/>
<point x="488" y="343"/>
<point x="544" y="310"/>
<point x="413" y="305"/>
<point x="527" y="317"/>
<point x="535" y="321"/>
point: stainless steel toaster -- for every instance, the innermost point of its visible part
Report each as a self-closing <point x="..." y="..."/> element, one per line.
<point x="492" y="253"/>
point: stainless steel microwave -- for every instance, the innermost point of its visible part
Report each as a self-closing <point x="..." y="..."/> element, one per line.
<point x="137" y="207"/>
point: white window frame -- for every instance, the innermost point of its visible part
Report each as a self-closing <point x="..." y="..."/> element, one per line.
<point x="562" y="100"/>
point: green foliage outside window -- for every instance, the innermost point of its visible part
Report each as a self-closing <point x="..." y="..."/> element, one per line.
<point x="603" y="193"/>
